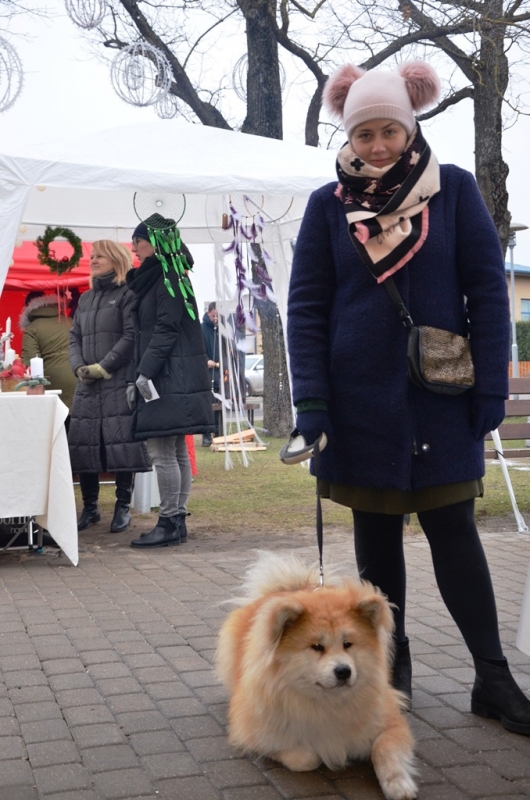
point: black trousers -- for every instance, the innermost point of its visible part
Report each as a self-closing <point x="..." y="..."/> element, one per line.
<point x="460" y="568"/>
<point x="89" y="483"/>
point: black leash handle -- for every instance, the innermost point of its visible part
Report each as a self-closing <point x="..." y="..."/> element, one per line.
<point x="320" y="536"/>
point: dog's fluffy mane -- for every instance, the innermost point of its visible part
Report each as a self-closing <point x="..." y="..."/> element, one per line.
<point x="284" y="573"/>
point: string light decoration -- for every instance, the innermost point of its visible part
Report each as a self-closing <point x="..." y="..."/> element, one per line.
<point x="86" y="14"/>
<point x="167" y="107"/>
<point x="141" y="74"/>
<point x="11" y="75"/>
<point x="239" y="77"/>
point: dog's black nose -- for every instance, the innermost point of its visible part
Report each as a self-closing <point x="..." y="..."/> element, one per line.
<point x="342" y="672"/>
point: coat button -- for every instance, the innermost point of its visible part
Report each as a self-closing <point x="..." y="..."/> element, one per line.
<point x="425" y="448"/>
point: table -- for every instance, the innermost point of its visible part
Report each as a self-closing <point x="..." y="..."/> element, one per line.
<point x="35" y="471"/>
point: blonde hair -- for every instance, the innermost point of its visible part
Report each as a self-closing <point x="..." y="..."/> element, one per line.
<point x="121" y="258"/>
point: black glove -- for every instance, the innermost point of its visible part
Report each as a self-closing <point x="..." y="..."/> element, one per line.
<point x="130" y="394"/>
<point x="487" y="413"/>
<point x="312" y="423"/>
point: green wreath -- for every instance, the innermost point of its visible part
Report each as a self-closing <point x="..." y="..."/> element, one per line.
<point x="47" y="256"/>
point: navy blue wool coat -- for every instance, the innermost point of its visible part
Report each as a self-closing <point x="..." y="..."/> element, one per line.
<point x="347" y="345"/>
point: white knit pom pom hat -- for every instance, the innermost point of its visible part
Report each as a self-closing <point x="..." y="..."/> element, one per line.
<point x="358" y="96"/>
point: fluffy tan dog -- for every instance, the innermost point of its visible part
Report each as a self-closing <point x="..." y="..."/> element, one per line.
<point x="307" y="669"/>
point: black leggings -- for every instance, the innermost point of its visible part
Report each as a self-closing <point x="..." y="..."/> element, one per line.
<point x="460" y="568"/>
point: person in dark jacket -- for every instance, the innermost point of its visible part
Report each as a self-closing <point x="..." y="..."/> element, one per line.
<point x="210" y="331"/>
<point x="101" y="347"/>
<point x="394" y="447"/>
<point x="171" y="393"/>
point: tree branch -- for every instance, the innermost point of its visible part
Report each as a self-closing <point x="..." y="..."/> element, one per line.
<point x="303" y="10"/>
<point x="452" y="100"/>
<point x="207" y="113"/>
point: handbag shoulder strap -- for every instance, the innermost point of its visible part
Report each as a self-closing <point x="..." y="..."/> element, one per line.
<point x="396" y="298"/>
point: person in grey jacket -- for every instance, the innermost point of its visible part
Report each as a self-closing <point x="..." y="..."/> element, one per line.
<point x="101" y="347"/>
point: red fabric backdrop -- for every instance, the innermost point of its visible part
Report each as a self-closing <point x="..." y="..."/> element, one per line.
<point x="28" y="275"/>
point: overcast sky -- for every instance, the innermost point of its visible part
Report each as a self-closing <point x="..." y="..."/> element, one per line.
<point x="67" y="92"/>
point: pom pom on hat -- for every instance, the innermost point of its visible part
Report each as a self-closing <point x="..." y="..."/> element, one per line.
<point x="423" y="84"/>
<point x="358" y="96"/>
<point x="337" y="88"/>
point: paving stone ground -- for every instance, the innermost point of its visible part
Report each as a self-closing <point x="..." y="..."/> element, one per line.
<point x="107" y="689"/>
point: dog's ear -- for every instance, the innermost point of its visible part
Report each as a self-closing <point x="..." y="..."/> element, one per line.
<point x="281" y="614"/>
<point x="376" y="611"/>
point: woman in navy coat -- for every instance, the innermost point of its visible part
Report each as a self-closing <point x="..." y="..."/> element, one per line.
<point x="394" y="447"/>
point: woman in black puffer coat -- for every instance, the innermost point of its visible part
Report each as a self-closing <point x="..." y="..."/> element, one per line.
<point x="170" y="352"/>
<point x="101" y="347"/>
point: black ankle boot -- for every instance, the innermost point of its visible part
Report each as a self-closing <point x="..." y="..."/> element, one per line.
<point x="401" y="677"/>
<point x="89" y="516"/>
<point x="166" y="532"/>
<point x="121" y="519"/>
<point x="181" y="517"/>
<point x="496" y="694"/>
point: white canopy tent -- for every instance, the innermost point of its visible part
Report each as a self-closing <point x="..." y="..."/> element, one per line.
<point x="88" y="185"/>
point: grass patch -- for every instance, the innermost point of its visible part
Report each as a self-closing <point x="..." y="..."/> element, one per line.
<point x="270" y="496"/>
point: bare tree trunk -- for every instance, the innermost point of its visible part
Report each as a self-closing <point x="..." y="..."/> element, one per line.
<point x="264" y="118"/>
<point x="264" y="92"/>
<point x="277" y="408"/>
<point x="490" y="88"/>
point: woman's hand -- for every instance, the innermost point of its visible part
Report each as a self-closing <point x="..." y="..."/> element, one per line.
<point x="312" y="423"/>
<point x="143" y="387"/>
<point x="86" y="381"/>
<point x="94" y="371"/>
<point x="130" y="394"/>
<point x="487" y="413"/>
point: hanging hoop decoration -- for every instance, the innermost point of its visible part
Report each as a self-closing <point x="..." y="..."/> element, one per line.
<point x="171" y="206"/>
<point x="11" y="75"/>
<point x="86" y="14"/>
<point x="167" y="107"/>
<point x="47" y="255"/>
<point x="141" y="74"/>
<point x="239" y="77"/>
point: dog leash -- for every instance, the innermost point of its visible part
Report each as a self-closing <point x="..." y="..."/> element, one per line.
<point x="320" y="535"/>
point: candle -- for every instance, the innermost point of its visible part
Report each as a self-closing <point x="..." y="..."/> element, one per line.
<point x="37" y="367"/>
<point x="8" y="325"/>
<point x="9" y="357"/>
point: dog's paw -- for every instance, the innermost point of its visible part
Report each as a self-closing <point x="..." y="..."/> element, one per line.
<point x="298" y="759"/>
<point x="399" y="787"/>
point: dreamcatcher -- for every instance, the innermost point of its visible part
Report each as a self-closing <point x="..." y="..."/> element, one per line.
<point x="86" y="14"/>
<point x="11" y="75"/>
<point x="172" y="206"/>
<point x="141" y="74"/>
<point x="165" y="239"/>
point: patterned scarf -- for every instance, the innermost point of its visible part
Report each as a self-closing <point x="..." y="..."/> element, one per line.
<point x="387" y="209"/>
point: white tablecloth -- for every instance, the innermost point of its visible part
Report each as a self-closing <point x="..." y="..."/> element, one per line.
<point x="35" y="471"/>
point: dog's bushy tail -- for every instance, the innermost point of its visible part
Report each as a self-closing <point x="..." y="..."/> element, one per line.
<point x="280" y="573"/>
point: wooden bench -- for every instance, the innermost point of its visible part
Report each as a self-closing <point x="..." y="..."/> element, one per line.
<point x="249" y="405"/>
<point x="514" y="431"/>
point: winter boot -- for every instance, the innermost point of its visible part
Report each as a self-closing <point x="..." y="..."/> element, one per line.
<point x="122" y="518"/>
<point x="89" y="516"/>
<point x="181" y="517"/>
<point x="89" y="483"/>
<point x="401" y="677"/>
<point x="166" y="532"/>
<point x="496" y="694"/>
